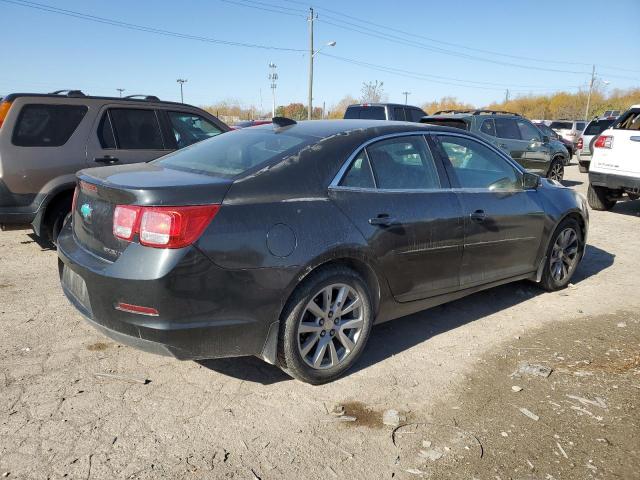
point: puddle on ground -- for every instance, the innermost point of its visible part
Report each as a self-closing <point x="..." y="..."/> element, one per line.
<point x="98" y="347"/>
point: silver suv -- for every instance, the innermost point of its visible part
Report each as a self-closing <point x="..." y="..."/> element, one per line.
<point x="46" y="138"/>
<point x="568" y="129"/>
<point x="584" y="148"/>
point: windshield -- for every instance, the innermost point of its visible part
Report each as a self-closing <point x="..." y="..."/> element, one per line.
<point x="561" y="125"/>
<point x="597" y="127"/>
<point x="233" y="153"/>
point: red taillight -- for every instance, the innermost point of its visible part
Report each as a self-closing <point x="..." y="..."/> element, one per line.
<point x="162" y="227"/>
<point x="580" y="143"/>
<point x="4" y="111"/>
<point x="604" y="141"/>
<point x="128" y="307"/>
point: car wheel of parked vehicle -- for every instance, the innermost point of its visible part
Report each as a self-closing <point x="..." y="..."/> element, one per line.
<point x="563" y="255"/>
<point x="55" y="217"/>
<point x="325" y="325"/>
<point x="598" y="198"/>
<point x="556" y="170"/>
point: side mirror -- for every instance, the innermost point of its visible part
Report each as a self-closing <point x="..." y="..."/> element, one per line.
<point x="530" y="181"/>
<point x="545" y="139"/>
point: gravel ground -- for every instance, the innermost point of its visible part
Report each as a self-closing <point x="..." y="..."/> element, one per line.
<point x="446" y="371"/>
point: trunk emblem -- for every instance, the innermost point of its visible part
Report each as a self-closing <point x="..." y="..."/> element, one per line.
<point x="85" y="211"/>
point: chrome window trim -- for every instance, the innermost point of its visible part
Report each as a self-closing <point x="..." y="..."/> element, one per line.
<point x="335" y="183"/>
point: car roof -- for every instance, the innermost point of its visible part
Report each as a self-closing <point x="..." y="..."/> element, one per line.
<point x="365" y="105"/>
<point x="327" y="128"/>
<point x="147" y="100"/>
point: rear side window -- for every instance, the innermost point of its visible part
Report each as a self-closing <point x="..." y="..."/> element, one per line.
<point x="235" y="152"/>
<point x="136" y="129"/>
<point x="359" y="174"/>
<point x="488" y="127"/>
<point x="189" y="128"/>
<point x="367" y="113"/>
<point x="507" y="128"/>
<point x="403" y="163"/>
<point x="398" y="114"/>
<point x="47" y="125"/>
<point x="580" y="126"/>
<point x="597" y="127"/>
<point x="629" y="121"/>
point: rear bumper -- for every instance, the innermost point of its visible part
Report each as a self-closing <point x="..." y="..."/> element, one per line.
<point x="614" y="182"/>
<point x="204" y="311"/>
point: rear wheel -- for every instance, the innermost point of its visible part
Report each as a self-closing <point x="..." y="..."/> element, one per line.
<point x="55" y="217"/>
<point x="598" y="198"/>
<point x="563" y="256"/>
<point x="325" y="326"/>
<point x="556" y="170"/>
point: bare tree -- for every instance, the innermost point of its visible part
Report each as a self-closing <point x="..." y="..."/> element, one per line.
<point x="372" y="92"/>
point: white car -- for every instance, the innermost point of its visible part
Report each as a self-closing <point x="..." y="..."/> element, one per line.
<point x="615" y="165"/>
<point x="568" y="129"/>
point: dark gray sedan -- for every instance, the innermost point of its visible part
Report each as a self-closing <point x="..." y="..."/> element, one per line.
<point x="290" y="241"/>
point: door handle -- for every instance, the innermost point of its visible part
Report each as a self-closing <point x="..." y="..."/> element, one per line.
<point x="382" y="220"/>
<point x="478" y="216"/>
<point x="107" y="160"/>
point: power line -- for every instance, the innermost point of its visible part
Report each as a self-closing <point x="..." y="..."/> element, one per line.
<point x="142" y="28"/>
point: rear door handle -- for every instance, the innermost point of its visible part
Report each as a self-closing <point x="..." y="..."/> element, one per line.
<point x="635" y="139"/>
<point x="478" y="216"/>
<point x="382" y="220"/>
<point x="107" y="159"/>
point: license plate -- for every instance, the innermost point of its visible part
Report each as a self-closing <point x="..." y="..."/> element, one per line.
<point x="77" y="287"/>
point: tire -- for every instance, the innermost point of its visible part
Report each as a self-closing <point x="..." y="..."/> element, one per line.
<point x="556" y="169"/>
<point x="563" y="255"/>
<point x="55" y="217"/>
<point x="598" y="198"/>
<point x="335" y="357"/>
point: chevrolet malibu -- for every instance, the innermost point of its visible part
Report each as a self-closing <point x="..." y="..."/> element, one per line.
<point x="289" y="241"/>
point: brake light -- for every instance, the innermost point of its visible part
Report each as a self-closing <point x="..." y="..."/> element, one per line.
<point x="604" y="141"/>
<point x="125" y="221"/>
<point x="130" y="308"/>
<point x="580" y="143"/>
<point x="4" y="111"/>
<point x="162" y="227"/>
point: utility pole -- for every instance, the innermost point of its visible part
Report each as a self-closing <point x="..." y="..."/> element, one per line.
<point x="181" y="81"/>
<point x="120" y="90"/>
<point x="406" y="95"/>
<point x="324" y="105"/>
<point x="311" y="54"/>
<point x="273" y="77"/>
<point x="593" y="79"/>
<point x="506" y="96"/>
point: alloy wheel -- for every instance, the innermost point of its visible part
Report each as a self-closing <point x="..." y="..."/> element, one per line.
<point x="330" y="326"/>
<point x="557" y="172"/>
<point x="564" y="254"/>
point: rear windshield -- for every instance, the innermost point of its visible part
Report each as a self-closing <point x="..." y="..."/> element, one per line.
<point x="447" y="122"/>
<point x="231" y="154"/>
<point x="629" y="121"/>
<point x="47" y="125"/>
<point x="597" y="127"/>
<point x="561" y="125"/>
<point x="369" y="113"/>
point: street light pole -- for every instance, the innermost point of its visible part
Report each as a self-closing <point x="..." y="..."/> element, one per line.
<point x="311" y="54"/>
<point x="273" y="77"/>
<point x="406" y="95"/>
<point x="181" y="81"/>
<point x="593" y="79"/>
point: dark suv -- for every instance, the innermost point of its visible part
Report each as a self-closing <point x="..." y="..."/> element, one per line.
<point x="46" y="138"/>
<point x="522" y="139"/>
<point x="384" y="111"/>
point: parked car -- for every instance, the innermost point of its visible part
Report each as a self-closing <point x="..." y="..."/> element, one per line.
<point x="585" y="143"/>
<point x="46" y="138"/>
<point x="512" y="133"/>
<point x="249" y="123"/>
<point x="546" y="130"/>
<point x="289" y="241"/>
<point x="615" y="169"/>
<point x="568" y="129"/>
<point x="384" y="111"/>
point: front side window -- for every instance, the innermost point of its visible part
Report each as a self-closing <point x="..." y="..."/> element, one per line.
<point x="189" y="128"/>
<point x="359" y="174"/>
<point x="136" y="129"/>
<point x="477" y="166"/>
<point x="47" y="125"/>
<point x="528" y="131"/>
<point x="507" y="128"/>
<point x="403" y="163"/>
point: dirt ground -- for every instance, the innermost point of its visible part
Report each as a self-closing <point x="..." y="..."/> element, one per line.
<point x="448" y="372"/>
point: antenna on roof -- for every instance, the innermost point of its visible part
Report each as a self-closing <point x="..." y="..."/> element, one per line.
<point x="281" y="122"/>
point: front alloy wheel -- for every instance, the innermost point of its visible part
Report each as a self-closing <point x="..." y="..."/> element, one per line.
<point x="556" y="172"/>
<point x="563" y="255"/>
